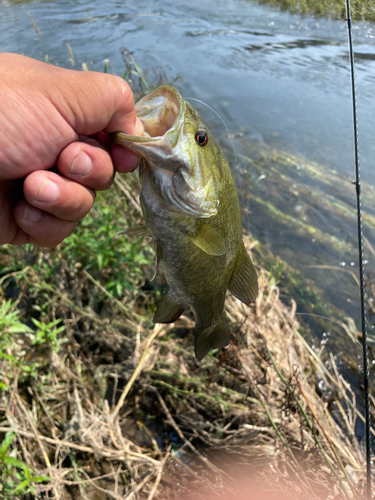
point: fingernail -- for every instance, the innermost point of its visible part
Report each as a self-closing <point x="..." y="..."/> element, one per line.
<point x="82" y="164"/>
<point x="48" y="192"/>
<point x="32" y="214"/>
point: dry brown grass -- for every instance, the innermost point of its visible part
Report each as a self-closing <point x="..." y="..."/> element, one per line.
<point x="158" y="424"/>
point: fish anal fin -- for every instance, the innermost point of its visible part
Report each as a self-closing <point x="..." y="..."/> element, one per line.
<point x="135" y="232"/>
<point x="215" y="337"/>
<point x="169" y="310"/>
<point x="244" y="282"/>
<point x="208" y="240"/>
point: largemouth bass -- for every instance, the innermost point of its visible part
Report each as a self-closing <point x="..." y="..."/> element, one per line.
<point x="191" y="209"/>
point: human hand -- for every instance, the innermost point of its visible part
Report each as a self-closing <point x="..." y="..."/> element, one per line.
<point x="53" y="117"/>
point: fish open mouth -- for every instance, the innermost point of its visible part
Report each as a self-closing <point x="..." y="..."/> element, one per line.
<point x="161" y="113"/>
<point x="159" y="110"/>
<point x="184" y="182"/>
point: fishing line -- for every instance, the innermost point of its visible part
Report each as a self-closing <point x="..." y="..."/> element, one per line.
<point x="366" y="374"/>
<point x="230" y="137"/>
<point x="220" y="118"/>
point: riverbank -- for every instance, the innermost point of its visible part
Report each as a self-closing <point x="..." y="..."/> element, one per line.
<point x="361" y="10"/>
<point x="96" y="401"/>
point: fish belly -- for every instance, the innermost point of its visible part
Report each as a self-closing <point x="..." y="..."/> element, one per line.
<point x="195" y="279"/>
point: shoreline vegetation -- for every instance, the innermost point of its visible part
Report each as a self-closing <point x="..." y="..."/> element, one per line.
<point x="361" y="10"/>
<point x="95" y="400"/>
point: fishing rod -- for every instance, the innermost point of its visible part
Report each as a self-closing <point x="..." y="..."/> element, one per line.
<point x="366" y="374"/>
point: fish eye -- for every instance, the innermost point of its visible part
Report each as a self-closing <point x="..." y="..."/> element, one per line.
<point x="201" y="137"/>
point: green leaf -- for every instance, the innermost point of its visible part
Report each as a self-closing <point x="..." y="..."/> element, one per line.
<point x="19" y="328"/>
<point x="37" y="323"/>
<point x="7" y="356"/>
<point x="7" y="441"/>
<point x="119" y="289"/>
<point x="100" y="259"/>
<point x="10" y="483"/>
<point x="21" y="487"/>
<point x="40" y="479"/>
<point x="16" y="463"/>
<point x="54" y="323"/>
<point x="27" y="473"/>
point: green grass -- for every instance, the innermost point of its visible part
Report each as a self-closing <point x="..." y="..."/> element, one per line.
<point x="12" y="353"/>
<point x="361" y="10"/>
<point x="93" y="273"/>
<point x="87" y="285"/>
<point x="95" y="246"/>
<point x="16" y="478"/>
<point x="72" y="322"/>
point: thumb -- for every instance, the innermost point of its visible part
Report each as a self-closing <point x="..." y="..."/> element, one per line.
<point x="92" y="102"/>
<point x="88" y="101"/>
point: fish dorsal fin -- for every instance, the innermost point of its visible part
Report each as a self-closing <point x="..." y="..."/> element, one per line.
<point x="209" y="240"/>
<point x="244" y="282"/>
<point x="168" y="311"/>
<point x="135" y="232"/>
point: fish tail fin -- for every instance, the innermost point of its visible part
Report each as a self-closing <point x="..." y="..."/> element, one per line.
<point x="214" y="337"/>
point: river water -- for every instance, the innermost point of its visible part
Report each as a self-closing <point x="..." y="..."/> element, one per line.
<point x="278" y="79"/>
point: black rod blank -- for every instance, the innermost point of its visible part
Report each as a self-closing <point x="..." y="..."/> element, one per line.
<point x="366" y="373"/>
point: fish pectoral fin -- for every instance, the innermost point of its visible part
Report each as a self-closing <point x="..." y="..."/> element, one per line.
<point x="135" y="232"/>
<point x="158" y="253"/>
<point x="157" y="258"/>
<point x="216" y="336"/>
<point x="208" y="240"/>
<point x="244" y="282"/>
<point x="168" y="311"/>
